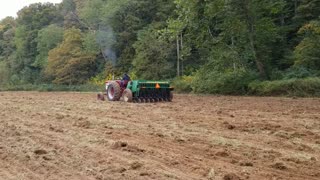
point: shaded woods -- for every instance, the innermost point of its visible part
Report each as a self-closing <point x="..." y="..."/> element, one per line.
<point x="263" y="47"/>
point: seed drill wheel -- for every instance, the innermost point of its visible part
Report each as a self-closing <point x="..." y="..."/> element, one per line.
<point x="114" y="91"/>
<point x="127" y="95"/>
<point x="170" y="98"/>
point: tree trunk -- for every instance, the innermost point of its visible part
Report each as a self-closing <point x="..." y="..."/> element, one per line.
<point x="232" y="46"/>
<point x="178" y="57"/>
<point x="282" y="19"/>
<point x="295" y="7"/>
<point x="252" y="38"/>
<point x="181" y="38"/>
<point x="258" y="62"/>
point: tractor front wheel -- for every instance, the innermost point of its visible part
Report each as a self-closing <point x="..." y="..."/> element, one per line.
<point x="114" y="91"/>
<point x="127" y="95"/>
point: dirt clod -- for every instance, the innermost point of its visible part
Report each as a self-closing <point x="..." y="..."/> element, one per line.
<point x="246" y="164"/>
<point x="229" y="126"/>
<point x="82" y="124"/>
<point x="47" y="158"/>
<point x="136" y="165"/>
<point x="279" y="165"/>
<point x="120" y="144"/>
<point x="60" y="116"/>
<point x="231" y="176"/>
<point x="122" y="170"/>
<point x="223" y="153"/>
<point x="40" y="152"/>
<point x="144" y="174"/>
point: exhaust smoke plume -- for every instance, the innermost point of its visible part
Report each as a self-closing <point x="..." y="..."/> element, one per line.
<point x="106" y="39"/>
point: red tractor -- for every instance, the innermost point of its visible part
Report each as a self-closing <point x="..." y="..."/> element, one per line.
<point x="115" y="89"/>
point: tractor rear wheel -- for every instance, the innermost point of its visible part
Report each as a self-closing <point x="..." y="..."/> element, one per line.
<point x="114" y="91"/>
<point x="127" y="95"/>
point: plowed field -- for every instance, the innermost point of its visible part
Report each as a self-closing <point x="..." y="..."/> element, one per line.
<point x="73" y="136"/>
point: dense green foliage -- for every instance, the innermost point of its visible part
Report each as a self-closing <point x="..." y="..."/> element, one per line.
<point x="261" y="47"/>
<point x="52" y="87"/>
<point x="292" y="87"/>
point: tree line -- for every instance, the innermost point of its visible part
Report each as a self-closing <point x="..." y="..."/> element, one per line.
<point x="217" y="46"/>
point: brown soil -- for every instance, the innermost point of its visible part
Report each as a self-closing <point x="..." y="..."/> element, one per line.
<point x="73" y="136"/>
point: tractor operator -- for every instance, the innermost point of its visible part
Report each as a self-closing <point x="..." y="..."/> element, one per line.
<point x="125" y="79"/>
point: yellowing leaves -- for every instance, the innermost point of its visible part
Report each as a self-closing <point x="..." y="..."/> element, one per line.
<point x="69" y="63"/>
<point x="307" y="53"/>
